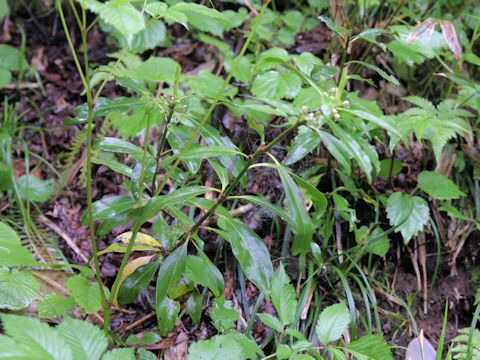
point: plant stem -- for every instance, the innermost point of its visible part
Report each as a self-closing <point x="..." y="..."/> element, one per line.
<point x="90" y="103"/>
<point x="136" y="228"/>
<point x="261" y="150"/>
<point x="215" y="101"/>
<point x="161" y="144"/>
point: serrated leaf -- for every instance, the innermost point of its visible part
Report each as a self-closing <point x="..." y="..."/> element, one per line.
<point x="283" y="296"/>
<point x="201" y="270"/>
<point x="12" y="253"/>
<point x="275" y="85"/>
<point x="408" y="214"/>
<point x="438" y="186"/>
<point x="220" y="347"/>
<point x="223" y="315"/>
<point x="42" y="339"/>
<point x="271" y="321"/>
<point x="157" y="69"/>
<point x="332" y="322"/>
<point x="85" y="293"/>
<point x="123" y="16"/>
<point x="370" y="347"/>
<point x="120" y="354"/>
<point x="198" y="9"/>
<point x="54" y="305"/>
<point x="17" y="289"/>
<point x="87" y="341"/>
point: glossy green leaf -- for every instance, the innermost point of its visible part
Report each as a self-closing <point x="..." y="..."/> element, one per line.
<point x="354" y="148"/>
<point x="300" y="219"/>
<point x="135" y="283"/>
<point x="118" y="146"/>
<point x="250" y="251"/>
<point x="170" y="272"/>
<point x="110" y="206"/>
<point x="167" y="313"/>
<point x="332" y="322"/>
<point x="194" y="307"/>
<point x="408" y="214"/>
<point x="155" y="204"/>
<point x="390" y="78"/>
<point x="438" y="186"/>
<point x="18" y="289"/>
<point x="4" y="9"/>
<point x="304" y="143"/>
<point x="332" y="26"/>
<point x="337" y="149"/>
<point x="104" y="106"/>
<point x="201" y="270"/>
<point x="377" y="120"/>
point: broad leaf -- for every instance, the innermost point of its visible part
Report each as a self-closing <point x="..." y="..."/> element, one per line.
<point x="438" y="186"/>
<point x="408" y="214"/>
<point x="250" y="251"/>
<point x="271" y="321"/>
<point x="223" y="316"/>
<point x="332" y="322"/>
<point x="87" y="341"/>
<point x="274" y="85"/>
<point x="32" y="188"/>
<point x="370" y="347"/>
<point x="201" y="270"/>
<point x="300" y="219"/>
<point x="42" y="339"/>
<point x="170" y="272"/>
<point x="167" y="312"/>
<point x="304" y="143"/>
<point x="17" y="289"/>
<point x="85" y="293"/>
<point x="220" y="347"/>
<point x="55" y="305"/>
<point x="283" y="296"/>
<point x="12" y="253"/>
<point x="137" y="281"/>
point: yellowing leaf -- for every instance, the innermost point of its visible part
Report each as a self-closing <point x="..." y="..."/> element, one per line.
<point x="141" y="238"/>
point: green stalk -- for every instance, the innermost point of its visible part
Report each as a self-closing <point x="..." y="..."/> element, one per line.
<point x="215" y="101"/>
<point x="136" y="228"/>
<point x="85" y="80"/>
